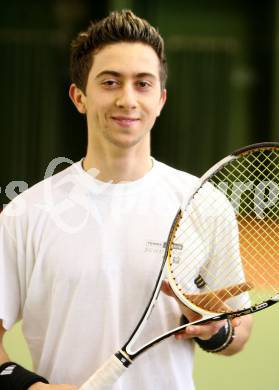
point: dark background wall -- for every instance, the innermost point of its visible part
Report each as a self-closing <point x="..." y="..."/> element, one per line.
<point x="223" y="87"/>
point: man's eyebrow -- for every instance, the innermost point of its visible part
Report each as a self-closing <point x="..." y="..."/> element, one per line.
<point x="118" y="74"/>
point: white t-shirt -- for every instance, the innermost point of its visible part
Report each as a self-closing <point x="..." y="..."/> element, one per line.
<point x="78" y="261"/>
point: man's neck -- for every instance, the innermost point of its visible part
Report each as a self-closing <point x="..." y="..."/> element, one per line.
<point x="123" y="167"/>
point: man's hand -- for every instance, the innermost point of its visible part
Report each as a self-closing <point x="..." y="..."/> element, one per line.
<point x="3" y="355"/>
<point x="43" y="386"/>
<point x="214" y="301"/>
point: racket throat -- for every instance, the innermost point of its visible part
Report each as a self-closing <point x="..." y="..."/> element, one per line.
<point x="124" y="358"/>
<point x="156" y="340"/>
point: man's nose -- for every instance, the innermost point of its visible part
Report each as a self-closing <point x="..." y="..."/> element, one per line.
<point x="127" y="97"/>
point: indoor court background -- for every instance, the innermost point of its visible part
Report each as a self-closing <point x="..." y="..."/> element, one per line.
<point x="223" y="93"/>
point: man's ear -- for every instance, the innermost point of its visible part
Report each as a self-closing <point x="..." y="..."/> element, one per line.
<point x="163" y="99"/>
<point x="78" y="98"/>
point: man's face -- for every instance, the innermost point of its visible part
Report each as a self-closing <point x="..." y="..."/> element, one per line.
<point x="123" y="95"/>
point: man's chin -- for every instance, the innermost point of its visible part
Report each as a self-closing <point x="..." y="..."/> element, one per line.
<point x="126" y="142"/>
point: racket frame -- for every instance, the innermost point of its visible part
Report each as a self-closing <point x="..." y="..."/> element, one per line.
<point x="127" y="348"/>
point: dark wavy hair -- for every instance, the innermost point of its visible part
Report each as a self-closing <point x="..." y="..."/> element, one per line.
<point x="119" y="26"/>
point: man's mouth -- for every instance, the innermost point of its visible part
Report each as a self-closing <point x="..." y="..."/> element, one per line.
<point x="125" y="121"/>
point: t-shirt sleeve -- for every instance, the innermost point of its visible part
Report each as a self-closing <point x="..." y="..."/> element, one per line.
<point x="10" y="289"/>
<point x="225" y="266"/>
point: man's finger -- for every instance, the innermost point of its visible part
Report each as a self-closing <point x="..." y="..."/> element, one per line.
<point x="233" y="291"/>
<point x="215" y="300"/>
<point x="165" y="287"/>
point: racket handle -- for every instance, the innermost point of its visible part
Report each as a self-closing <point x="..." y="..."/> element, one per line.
<point x="105" y="376"/>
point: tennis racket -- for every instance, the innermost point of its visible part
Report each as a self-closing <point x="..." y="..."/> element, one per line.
<point x="227" y="265"/>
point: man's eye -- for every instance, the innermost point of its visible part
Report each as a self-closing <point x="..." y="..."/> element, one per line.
<point x="110" y="83"/>
<point x="144" y="84"/>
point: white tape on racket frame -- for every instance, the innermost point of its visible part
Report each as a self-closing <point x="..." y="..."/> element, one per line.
<point x="105" y="376"/>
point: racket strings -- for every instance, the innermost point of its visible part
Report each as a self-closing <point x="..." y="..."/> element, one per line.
<point x="228" y="270"/>
<point x="185" y="275"/>
<point x="266" y="272"/>
<point x="268" y="167"/>
<point x="239" y="170"/>
<point x="261" y="255"/>
<point x="251" y="186"/>
<point x="256" y="167"/>
<point x="261" y="240"/>
<point x="196" y="251"/>
<point x="183" y="269"/>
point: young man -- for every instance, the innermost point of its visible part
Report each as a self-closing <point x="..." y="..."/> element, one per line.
<point x="80" y="259"/>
